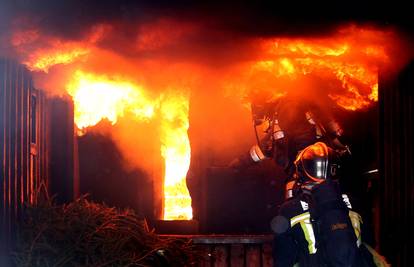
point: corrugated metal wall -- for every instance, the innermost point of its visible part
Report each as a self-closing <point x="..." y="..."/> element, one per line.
<point x="396" y="161"/>
<point x="23" y="157"/>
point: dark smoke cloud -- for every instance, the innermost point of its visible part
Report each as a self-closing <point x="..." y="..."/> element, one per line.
<point x="221" y="25"/>
<point x="69" y="18"/>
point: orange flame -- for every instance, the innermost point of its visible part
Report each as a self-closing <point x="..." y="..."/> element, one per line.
<point x="43" y="60"/>
<point x="351" y="57"/>
<point x="41" y="52"/>
<point x="98" y="97"/>
<point x="176" y="152"/>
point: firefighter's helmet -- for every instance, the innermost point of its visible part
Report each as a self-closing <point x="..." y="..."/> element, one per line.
<point x="317" y="163"/>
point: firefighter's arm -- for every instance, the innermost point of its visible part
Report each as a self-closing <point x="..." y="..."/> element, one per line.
<point x="335" y="131"/>
<point x="254" y="156"/>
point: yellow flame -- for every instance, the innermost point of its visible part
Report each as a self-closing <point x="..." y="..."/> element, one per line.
<point x="176" y="152"/>
<point x="98" y="97"/>
<point x="40" y="51"/>
<point x="344" y="58"/>
<point x="316" y="49"/>
<point x="46" y="59"/>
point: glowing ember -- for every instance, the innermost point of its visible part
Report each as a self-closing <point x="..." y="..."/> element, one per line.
<point x="176" y="152"/>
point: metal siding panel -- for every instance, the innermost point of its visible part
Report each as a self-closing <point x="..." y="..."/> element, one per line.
<point x="7" y="145"/>
<point x="31" y="161"/>
<point x="397" y="196"/>
<point x="19" y="137"/>
<point x="13" y="143"/>
<point x="26" y="142"/>
<point x="41" y="138"/>
<point x="2" y="142"/>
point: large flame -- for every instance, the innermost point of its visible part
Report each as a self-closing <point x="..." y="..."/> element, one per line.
<point x="42" y="52"/>
<point x="350" y="57"/>
<point x="43" y="60"/>
<point x="176" y="152"/>
<point x="98" y="97"/>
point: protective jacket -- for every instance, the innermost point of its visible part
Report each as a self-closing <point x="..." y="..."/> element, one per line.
<point x="319" y="228"/>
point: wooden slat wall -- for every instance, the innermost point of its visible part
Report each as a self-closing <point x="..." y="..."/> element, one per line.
<point x="235" y="250"/>
<point x="396" y="161"/>
<point x="63" y="181"/>
<point x="17" y="184"/>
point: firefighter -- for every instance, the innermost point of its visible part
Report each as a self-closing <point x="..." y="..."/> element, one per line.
<point x="291" y="125"/>
<point x="319" y="225"/>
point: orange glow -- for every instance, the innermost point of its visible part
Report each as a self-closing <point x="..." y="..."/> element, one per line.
<point x="164" y="54"/>
<point x="176" y="152"/>
<point x="44" y="59"/>
<point x="351" y="57"/>
<point x="98" y="97"/>
<point x="41" y="52"/>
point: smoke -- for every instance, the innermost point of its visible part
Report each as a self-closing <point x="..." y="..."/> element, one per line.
<point x="206" y="47"/>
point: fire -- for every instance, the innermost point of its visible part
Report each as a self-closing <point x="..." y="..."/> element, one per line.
<point x="41" y="51"/>
<point x="176" y="152"/>
<point x="348" y="61"/>
<point x="98" y="97"/>
<point x="349" y="57"/>
<point x="43" y="60"/>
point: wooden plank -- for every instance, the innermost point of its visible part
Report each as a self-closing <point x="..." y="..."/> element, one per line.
<point x="237" y="255"/>
<point x="221" y="256"/>
<point x="267" y="257"/>
<point x="206" y="260"/>
<point x="253" y="256"/>
<point x="231" y="239"/>
<point x="233" y="250"/>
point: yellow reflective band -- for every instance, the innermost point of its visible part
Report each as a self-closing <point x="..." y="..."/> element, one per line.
<point x="307" y="228"/>
<point x="256" y="153"/>
<point x="299" y="218"/>
<point x="309" y="235"/>
<point x="356" y="224"/>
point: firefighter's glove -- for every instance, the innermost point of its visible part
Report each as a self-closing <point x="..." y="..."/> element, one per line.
<point x="240" y="164"/>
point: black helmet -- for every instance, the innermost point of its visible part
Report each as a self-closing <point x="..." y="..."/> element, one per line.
<point x="317" y="163"/>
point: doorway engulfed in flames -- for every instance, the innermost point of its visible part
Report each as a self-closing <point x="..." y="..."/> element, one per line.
<point x="101" y="97"/>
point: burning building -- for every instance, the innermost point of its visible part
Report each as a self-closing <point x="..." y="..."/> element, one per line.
<point x="160" y="106"/>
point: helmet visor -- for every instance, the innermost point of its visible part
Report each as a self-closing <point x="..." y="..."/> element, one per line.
<point x="315" y="162"/>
